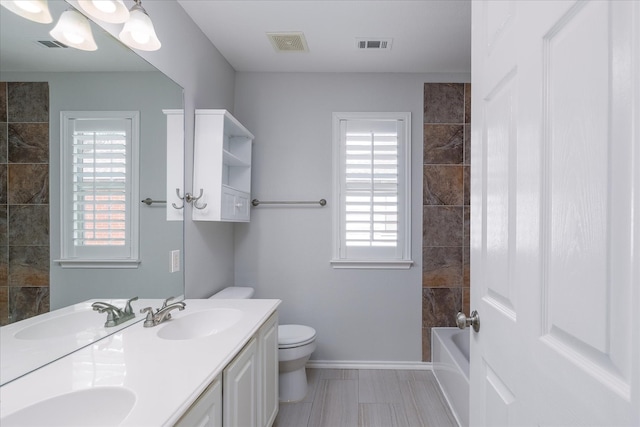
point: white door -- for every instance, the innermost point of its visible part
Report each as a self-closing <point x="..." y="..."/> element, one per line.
<point x="555" y="228"/>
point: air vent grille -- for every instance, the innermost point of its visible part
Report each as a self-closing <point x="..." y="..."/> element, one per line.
<point x="51" y="44"/>
<point x="288" y="42"/>
<point x="373" y="44"/>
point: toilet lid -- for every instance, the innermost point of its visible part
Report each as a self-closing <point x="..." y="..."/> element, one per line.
<point x="295" y="335"/>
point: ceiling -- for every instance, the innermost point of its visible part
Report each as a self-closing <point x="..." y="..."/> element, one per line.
<point x="20" y="50"/>
<point x="428" y="36"/>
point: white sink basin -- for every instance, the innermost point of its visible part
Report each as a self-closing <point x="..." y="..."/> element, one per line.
<point x="100" y="406"/>
<point x="199" y="324"/>
<point x="68" y="324"/>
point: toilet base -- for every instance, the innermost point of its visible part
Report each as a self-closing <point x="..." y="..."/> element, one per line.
<point x="292" y="385"/>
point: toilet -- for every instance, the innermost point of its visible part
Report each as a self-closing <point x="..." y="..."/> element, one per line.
<point x="295" y="345"/>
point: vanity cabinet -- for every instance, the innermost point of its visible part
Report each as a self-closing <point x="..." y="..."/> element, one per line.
<point x="240" y="397"/>
<point x="222" y="167"/>
<point x="207" y="410"/>
<point x="268" y="379"/>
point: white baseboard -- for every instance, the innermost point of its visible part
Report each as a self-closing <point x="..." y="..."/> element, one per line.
<point x="365" y="364"/>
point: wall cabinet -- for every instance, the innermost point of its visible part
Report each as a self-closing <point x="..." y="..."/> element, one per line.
<point x="175" y="164"/>
<point x="222" y="167"/>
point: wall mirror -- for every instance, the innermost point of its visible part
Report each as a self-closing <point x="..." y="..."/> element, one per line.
<point x="112" y="78"/>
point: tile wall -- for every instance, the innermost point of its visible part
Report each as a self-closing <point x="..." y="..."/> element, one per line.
<point x="24" y="200"/>
<point x="445" y="224"/>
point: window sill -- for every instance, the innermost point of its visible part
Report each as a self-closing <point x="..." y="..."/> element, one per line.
<point x="98" y="263"/>
<point x="372" y="264"/>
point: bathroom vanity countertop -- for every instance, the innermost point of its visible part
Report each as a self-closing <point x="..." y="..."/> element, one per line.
<point x="166" y="376"/>
<point x="31" y="343"/>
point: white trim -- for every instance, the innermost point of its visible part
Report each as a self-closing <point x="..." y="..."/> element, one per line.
<point x="364" y="364"/>
<point x="98" y="263"/>
<point x="373" y="264"/>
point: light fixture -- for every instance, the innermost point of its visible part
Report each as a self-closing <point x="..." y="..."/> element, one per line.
<point x="73" y="30"/>
<point x="33" y="10"/>
<point x="138" y="31"/>
<point x="113" y="11"/>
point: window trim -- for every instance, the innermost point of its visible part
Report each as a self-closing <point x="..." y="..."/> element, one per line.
<point x="404" y="205"/>
<point x="67" y="260"/>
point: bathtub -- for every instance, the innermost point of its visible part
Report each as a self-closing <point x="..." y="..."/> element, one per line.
<point x="450" y="358"/>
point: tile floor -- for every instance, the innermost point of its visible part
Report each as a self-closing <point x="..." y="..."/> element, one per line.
<point x="381" y="398"/>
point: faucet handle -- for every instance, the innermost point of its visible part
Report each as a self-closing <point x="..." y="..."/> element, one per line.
<point x="127" y="308"/>
<point x="166" y="302"/>
<point x="148" y="321"/>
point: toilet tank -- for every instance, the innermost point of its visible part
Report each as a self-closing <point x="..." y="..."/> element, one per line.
<point x="234" y="292"/>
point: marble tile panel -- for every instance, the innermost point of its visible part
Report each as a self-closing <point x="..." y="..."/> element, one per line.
<point x="4" y="305"/>
<point x="29" y="225"/>
<point x="3" y="102"/>
<point x="28" y="184"/>
<point x="4" y="218"/>
<point x="467" y="102"/>
<point x="443" y="144"/>
<point x="442" y="185"/>
<point x="466" y="266"/>
<point x="28" y="142"/>
<point x="4" y="142"/>
<point x="28" y="101"/>
<point x="444" y="102"/>
<point x="467" y="185"/>
<point x="467" y="144"/>
<point x="442" y="226"/>
<point x="466" y="301"/>
<point x="439" y="308"/>
<point x="4" y="265"/>
<point x="442" y="267"/>
<point x="4" y="179"/>
<point x="29" y="265"/>
<point x="466" y="218"/>
<point x="25" y="302"/>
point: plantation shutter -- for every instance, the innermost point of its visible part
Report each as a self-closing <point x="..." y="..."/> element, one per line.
<point x="100" y="185"/>
<point x="371" y="183"/>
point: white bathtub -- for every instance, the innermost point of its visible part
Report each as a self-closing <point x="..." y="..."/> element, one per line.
<point x="450" y="357"/>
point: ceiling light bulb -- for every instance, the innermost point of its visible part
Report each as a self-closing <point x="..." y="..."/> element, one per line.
<point x="73" y="29"/>
<point x="138" y="31"/>
<point x="33" y="10"/>
<point x="112" y="11"/>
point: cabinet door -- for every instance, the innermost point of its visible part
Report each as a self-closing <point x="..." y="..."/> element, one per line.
<point x="207" y="410"/>
<point x="235" y="205"/>
<point x="241" y="389"/>
<point x="268" y="356"/>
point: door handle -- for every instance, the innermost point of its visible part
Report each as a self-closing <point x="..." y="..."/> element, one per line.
<point x="463" y="321"/>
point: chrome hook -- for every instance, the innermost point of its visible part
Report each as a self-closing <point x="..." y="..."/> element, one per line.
<point x="194" y="200"/>
<point x="179" y="197"/>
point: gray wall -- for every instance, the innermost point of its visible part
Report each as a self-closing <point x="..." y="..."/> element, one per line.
<point x="189" y="58"/>
<point x="149" y="93"/>
<point x="284" y="252"/>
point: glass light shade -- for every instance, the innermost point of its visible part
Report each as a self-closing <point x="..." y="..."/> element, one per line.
<point x="113" y="11"/>
<point x="33" y="10"/>
<point x="138" y="31"/>
<point x="73" y="29"/>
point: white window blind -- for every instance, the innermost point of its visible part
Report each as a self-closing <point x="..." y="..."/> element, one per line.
<point x="99" y="188"/>
<point x="372" y="184"/>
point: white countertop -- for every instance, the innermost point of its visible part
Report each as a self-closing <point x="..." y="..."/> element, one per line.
<point x="166" y="376"/>
<point x="21" y="356"/>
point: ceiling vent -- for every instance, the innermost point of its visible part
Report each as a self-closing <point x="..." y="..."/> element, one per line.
<point x="373" y="44"/>
<point x="288" y="42"/>
<point x="51" y="44"/>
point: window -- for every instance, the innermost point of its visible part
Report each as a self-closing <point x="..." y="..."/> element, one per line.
<point x="99" y="174"/>
<point x="372" y="185"/>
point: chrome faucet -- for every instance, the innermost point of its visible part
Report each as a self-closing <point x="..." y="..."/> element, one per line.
<point x="161" y="314"/>
<point x="115" y="315"/>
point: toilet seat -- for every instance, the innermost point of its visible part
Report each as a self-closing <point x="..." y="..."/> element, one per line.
<point x="290" y="336"/>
